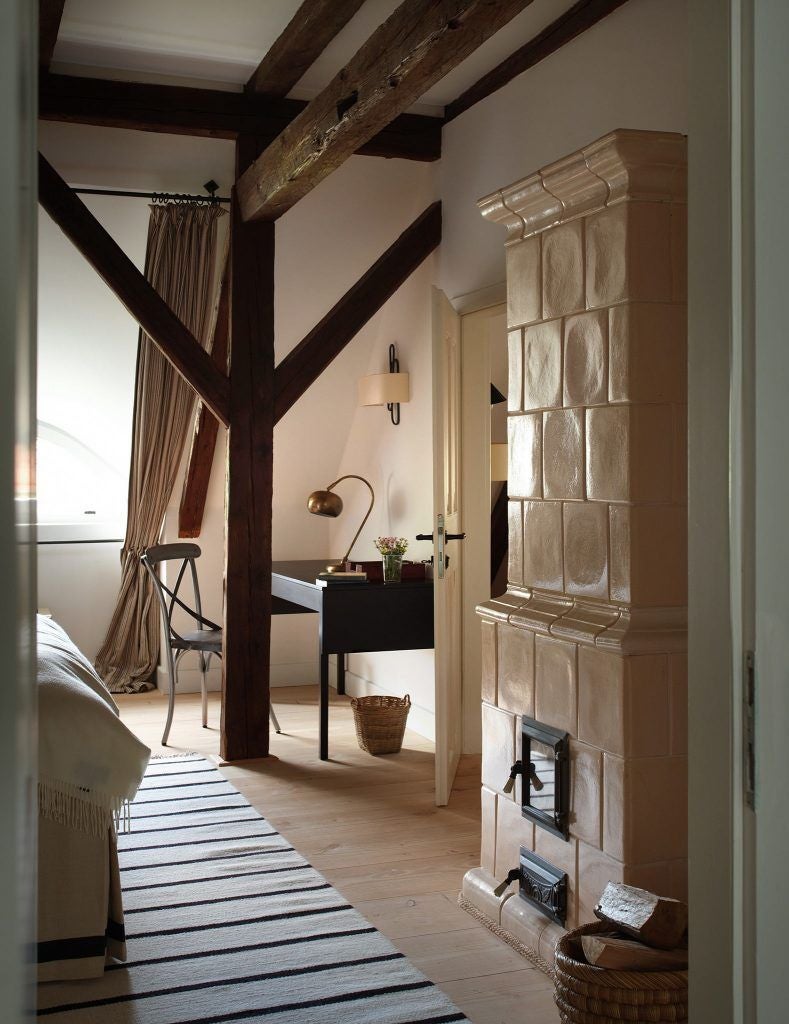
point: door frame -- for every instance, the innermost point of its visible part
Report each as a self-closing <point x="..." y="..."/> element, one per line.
<point x="476" y="311"/>
<point x="18" y="766"/>
<point x="721" y="585"/>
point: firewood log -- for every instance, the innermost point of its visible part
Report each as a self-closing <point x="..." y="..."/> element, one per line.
<point x="620" y="954"/>
<point x="655" y="920"/>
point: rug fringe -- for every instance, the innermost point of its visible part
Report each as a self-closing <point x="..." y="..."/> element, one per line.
<point x="520" y="947"/>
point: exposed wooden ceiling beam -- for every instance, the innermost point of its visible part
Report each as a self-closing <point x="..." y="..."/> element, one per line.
<point x="201" y="450"/>
<point x="306" y="36"/>
<point x="50" y="13"/>
<point x="178" y="110"/>
<point x="572" y="23"/>
<point x="144" y="303"/>
<point x="302" y="366"/>
<point x="415" y="47"/>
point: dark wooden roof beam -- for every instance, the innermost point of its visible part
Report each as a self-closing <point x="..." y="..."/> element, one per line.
<point x="50" y="13"/>
<point x="201" y="450"/>
<point x="211" y="113"/>
<point x="306" y="36"/>
<point x="572" y="23"/>
<point x="414" y="48"/>
<point x="143" y="302"/>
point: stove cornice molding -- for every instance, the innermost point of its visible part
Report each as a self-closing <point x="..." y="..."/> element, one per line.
<point x="618" y="629"/>
<point x="624" y="165"/>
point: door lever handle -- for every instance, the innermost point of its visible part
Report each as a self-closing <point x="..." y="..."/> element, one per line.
<point x="454" y="536"/>
<point x="424" y="536"/>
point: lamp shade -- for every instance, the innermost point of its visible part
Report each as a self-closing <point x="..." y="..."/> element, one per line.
<point x="328" y="503"/>
<point x="498" y="462"/>
<point x="325" y="503"/>
<point x="383" y="389"/>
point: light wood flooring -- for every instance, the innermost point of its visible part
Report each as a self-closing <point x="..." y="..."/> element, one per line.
<point x="370" y="825"/>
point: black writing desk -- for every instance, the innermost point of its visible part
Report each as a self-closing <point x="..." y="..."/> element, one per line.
<point x="353" y="618"/>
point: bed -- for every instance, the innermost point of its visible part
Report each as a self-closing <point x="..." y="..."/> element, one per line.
<point x="90" y="767"/>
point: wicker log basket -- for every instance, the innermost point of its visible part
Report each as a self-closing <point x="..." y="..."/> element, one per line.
<point x="380" y="722"/>
<point x="586" y="994"/>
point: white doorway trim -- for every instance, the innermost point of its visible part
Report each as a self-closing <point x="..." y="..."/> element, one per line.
<point x="18" y="766"/>
<point x="720" y="555"/>
<point x="480" y="318"/>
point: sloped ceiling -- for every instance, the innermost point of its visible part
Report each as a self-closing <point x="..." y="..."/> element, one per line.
<point x="221" y="43"/>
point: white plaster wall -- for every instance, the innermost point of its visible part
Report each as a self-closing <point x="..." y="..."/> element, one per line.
<point x="398" y="462"/>
<point x="87" y="346"/>
<point x="628" y="71"/>
<point x="88" y="342"/>
<point x="323" y="245"/>
<point x="88" y="351"/>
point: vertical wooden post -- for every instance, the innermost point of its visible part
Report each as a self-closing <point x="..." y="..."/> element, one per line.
<point x="247" y="627"/>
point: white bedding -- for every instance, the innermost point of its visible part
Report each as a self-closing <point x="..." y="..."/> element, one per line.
<point x="90" y="764"/>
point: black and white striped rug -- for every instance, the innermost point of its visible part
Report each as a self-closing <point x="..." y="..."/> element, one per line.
<point x="227" y="922"/>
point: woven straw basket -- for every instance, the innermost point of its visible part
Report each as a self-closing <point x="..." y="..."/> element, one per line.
<point x="380" y="722"/>
<point x="586" y="994"/>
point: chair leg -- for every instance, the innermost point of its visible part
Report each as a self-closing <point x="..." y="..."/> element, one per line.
<point x="173" y="676"/>
<point x="273" y="718"/>
<point x="204" y="686"/>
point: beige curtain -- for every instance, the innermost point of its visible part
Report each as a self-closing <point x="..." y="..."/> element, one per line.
<point x="179" y="263"/>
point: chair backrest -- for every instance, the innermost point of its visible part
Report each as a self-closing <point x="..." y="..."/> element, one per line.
<point x="186" y="554"/>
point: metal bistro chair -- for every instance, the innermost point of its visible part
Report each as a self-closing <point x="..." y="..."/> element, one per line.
<point x="206" y="640"/>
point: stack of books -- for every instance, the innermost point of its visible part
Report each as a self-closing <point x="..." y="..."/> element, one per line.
<point x="327" y="579"/>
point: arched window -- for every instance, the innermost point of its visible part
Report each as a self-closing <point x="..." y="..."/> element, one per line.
<point x="79" y="495"/>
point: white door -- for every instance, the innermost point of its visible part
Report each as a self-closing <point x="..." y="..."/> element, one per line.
<point x="447" y="553"/>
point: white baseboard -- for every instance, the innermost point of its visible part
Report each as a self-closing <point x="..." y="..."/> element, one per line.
<point x="296" y="673"/>
<point x="420" y="720"/>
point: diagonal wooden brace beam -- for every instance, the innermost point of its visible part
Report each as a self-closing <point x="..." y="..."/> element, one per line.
<point x="201" y="452"/>
<point x="414" y="48"/>
<point x="305" y="363"/>
<point x="151" y="312"/>
<point x="302" y="366"/>
<point x="306" y="36"/>
<point x="50" y="13"/>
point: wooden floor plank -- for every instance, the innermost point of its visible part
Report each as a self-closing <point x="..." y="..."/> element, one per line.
<point x="370" y="825"/>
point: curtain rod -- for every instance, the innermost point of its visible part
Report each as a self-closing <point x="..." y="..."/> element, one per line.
<point x="157" y="197"/>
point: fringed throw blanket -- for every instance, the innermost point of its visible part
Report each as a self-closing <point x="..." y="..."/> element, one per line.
<point x="90" y="767"/>
<point x="89" y="764"/>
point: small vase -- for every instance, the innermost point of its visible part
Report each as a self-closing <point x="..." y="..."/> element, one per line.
<point x="393" y="567"/>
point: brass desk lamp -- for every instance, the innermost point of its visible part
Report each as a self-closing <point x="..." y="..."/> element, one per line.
<point x="327" y="503"/>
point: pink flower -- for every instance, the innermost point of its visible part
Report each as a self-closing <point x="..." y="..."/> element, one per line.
<point x="392" y="545"/>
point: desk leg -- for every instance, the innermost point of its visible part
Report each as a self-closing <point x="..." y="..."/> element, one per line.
<point x="323" y="726"/>
<point x="341" y="673"/>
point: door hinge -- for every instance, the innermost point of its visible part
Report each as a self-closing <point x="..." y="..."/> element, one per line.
<point x="750" y="729"/>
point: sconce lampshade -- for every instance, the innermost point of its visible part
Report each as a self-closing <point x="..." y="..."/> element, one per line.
<point x="498" y="462"/>
<point x="383" y="389"/>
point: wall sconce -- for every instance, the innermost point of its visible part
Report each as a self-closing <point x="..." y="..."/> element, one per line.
<point x="389" y="389"/>
<point x="498" y="462"/>
<point x="327" y="503"/>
